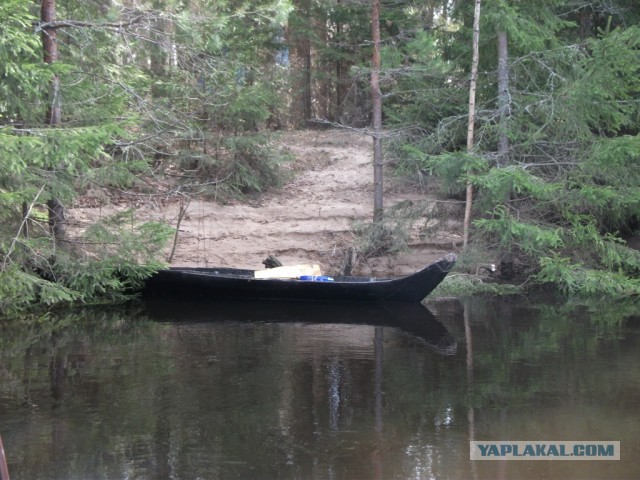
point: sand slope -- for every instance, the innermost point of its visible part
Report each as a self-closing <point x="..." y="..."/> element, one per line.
<point x="310" y="219"/>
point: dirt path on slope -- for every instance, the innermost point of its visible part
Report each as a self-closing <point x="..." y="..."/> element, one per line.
<point x="309" y="219"/>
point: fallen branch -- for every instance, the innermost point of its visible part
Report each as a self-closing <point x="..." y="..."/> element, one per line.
<point x="183" y="210"/>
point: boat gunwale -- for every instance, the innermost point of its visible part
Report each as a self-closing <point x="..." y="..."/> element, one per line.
<point x="227" y="273"/>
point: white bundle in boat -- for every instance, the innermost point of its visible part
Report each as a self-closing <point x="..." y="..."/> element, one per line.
<point x="292" y="271"/>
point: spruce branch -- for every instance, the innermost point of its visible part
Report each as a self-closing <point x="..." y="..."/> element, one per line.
<point x="40" y="26"/>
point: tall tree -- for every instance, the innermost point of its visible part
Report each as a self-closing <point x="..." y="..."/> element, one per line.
<point x="503" y="96"/>
<point x="376" y="98"/>
<point x="54" y="109"/>
<point x="300" y="39"/>
<point x="472" y="112"/>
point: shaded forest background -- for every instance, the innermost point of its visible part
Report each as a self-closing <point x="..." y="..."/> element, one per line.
<point x="118" y="93"/>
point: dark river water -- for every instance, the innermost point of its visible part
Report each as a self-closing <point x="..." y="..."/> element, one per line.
<point x="263" y="391"/>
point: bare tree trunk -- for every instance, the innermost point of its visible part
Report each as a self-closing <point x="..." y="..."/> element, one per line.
<point x="54" y="110"/>
<point x="50" y="55"/>
<point x="56" y="217"/>
<point x="301" y="63"/>
<point x="585" y="22"/>
<point x="503" y="97"/>
<point x="338" y="100"/>
<point x="323" y="95"/>
<point x="472" y="113"/>
<point x="25" y="220"/>
<point x="158" y="50"/>
<point x="430" y="14"/>
<point x="376" y="96"/>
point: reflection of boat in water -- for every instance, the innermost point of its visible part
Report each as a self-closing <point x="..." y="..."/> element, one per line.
<point x="226" y="283"/>
<point x="413" y="318"/>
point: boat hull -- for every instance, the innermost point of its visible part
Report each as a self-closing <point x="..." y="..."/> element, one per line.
<point x="211" y="283"/>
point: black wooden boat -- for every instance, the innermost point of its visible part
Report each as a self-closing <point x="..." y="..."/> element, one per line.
<point x="227" y="283"/>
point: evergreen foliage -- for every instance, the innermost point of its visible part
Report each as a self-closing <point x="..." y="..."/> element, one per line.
<point x="144" y="87"/>
<point x="568" y="189"/>
<point x="189" y="88"/>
